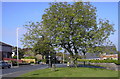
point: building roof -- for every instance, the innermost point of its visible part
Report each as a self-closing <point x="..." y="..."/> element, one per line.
<point x="108" y="56"/>
<point x="4" y="44"/>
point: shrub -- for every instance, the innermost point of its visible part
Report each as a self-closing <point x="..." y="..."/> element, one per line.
<point x="24" y="62"/>
<point x="65" y="61"/>
<point x="14" y="57"/>
<point x="31" y="57"/>
<point x="100" y="61"/>
<point x="14" y="63"/>
<point x="31" y="62"/>
<point x="39" y="60"/>
<point x="43" y="60"/>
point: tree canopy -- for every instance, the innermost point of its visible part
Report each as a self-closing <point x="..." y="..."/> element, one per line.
<point x="74" y="27"/>
<point x="71" y="26"/>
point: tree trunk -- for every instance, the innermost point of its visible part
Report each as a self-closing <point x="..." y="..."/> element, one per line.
<point x="51" y="64"/>
<point x="74" y="59"/>
<point x="75" y="62"/>
<point x="84" y="57"/>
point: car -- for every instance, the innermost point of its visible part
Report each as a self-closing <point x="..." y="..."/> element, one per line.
<point x="4" y="65"/>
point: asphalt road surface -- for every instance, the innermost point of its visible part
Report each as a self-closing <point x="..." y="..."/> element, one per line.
<point x="17" y="71"/>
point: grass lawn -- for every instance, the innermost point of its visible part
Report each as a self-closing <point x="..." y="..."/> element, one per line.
<point x="72" y="72"/>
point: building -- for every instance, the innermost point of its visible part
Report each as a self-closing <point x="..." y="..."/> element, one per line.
<point x="5" y="51"/>
<point x="28" y="52"/>
<point x="109" y="56"/>
<point x="109" y="52"/>
<point x="94" y="56"/>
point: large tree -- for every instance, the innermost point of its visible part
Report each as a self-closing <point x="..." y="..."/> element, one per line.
<point x="72" y="26"/>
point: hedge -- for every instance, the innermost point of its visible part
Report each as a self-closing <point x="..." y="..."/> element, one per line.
<point x="29" y="57"/>
<point x="99" y="61"/>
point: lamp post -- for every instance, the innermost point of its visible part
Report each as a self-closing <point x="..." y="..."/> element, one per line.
<point x="17" y="49"/>
<point x="49" y="58"/>
<point x="69" y="59"/>
<point x="63" y="58"/>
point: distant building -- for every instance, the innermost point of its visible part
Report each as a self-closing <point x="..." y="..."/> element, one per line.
<point x="39" y="57"/>
<point x="28" y="52"/>
<point x="110" y="56"/>
<point x="5" y="51"/>
<point x="59" y="58"/>
<point x="93" y="56"/>
<point x="109" y="52"/>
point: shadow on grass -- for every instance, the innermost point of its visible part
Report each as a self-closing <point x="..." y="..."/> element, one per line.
<point x="89" y="66"/>
<point x="50" y="70"/>
<point x="35" y="74"/>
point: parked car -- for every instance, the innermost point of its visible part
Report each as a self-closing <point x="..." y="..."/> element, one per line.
<point x="4" y="65"/>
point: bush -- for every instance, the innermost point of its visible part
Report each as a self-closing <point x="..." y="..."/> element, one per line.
<point x="99" y="61"/>
<point x="39" y="60"/>
<point x="14" y="57"/>
<point x="29" y="57"/>
<point x="43" y="60"/>
<point x="24" y="62"/>
<point x="14" y="63"/>
<point x="31" y="62"/>
<point x="65" y="61"/>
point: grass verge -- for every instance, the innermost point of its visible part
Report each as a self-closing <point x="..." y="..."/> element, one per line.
<point x="72" y="72"/>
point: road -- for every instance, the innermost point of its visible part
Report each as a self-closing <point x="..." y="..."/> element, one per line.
<point x="17" y="71"/>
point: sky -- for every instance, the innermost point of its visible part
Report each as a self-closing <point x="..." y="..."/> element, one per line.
<point x="17" y="14"/>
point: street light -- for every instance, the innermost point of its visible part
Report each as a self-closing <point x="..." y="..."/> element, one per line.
<point x="49" y="58"/>
<point x="49" y="61"/>
<point x="63" y="58"/>
<point x="69" y="59"/>
<point x="17" y="49"/>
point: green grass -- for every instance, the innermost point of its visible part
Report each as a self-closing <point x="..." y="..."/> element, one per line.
<point x="72" y="72"/>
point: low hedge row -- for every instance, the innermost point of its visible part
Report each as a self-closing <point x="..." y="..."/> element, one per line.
<point x="99" y="61"/>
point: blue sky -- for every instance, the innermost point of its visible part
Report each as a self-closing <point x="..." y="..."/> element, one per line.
<point x="16" y="14"/>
